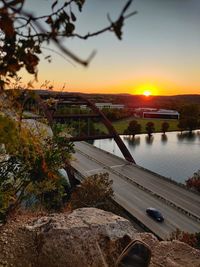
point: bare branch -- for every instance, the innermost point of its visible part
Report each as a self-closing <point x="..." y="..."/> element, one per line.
<point x="59" y="54"/>
<point x="24" y="34"/>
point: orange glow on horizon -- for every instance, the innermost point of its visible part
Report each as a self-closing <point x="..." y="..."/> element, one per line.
<point x="146" y="90"/>
<point x="146" y="93"/>
<point x="137" y="86"/>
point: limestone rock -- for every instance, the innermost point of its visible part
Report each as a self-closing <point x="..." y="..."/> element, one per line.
<point x="171" y="254"/>
<point x="87" y="237"/>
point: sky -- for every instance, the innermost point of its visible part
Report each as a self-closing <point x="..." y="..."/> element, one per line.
<point x="159" y="53"/>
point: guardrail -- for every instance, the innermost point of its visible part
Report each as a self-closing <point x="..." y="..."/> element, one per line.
<point x="168" y="202"/>
<point x="80" y="177"/>
<point x="167" y="179"/>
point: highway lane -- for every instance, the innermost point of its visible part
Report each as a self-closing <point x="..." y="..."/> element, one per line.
<point x="185" y="199"/>
<point x="173" y="218"/>
<point x="135" y="200"/>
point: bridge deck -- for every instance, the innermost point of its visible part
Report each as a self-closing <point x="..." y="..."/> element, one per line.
<point x="136" y="189"/>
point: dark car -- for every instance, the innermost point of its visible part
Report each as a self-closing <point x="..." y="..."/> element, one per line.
<point x="155" y="214"/>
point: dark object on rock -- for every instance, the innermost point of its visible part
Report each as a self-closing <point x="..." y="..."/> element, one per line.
<point x="136" y="254"/>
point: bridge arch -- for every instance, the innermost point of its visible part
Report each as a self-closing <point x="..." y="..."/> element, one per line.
<point x="75" y="99"/>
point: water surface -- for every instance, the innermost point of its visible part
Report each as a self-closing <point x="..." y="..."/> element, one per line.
<point x="173" y="155"/>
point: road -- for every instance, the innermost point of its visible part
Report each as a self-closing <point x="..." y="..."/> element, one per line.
<point x="136" y="189"/>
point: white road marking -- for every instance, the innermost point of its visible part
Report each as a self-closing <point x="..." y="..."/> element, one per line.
<point x="118" y="166"/>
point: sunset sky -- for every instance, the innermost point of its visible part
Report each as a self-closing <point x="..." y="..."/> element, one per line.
<point x="160" y="50"/>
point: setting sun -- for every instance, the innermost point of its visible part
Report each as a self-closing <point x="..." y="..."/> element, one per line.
<point x="146" y="90"/>
<point x="146" y="93"/>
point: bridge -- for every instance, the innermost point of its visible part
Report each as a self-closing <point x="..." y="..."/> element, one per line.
<point x="135" y="189"/>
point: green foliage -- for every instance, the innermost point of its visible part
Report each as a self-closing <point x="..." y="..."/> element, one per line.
<point x="29" y="165"/>
<point x="182" y="124"/>
<point x="194" y="181"/>
<point x="114" y="114"/>
<point x="7" y="197"/>
<point x="189" y="119"/>
<point x="150" y="128"/>
<point x="190" y="110"/>
<point x="122" y="125"/>
<point x="94" y="191"/>
<point x="48" y="193"/>
<point x="165" y="127"/>
<point x="82" y="127"/>
<point x="133" y="128"/>
<point x="192" y="123"/>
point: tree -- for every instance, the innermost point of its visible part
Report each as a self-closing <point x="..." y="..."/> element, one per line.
<point x="24" y="34"/>
<point x="182" y="124"/>
<point x="94" y="191"/>
<point x="30" y="163"/>
<point x="189" y="118"/>
<point x="133" y="128"/>
<point x="114" y="114"/>
<point x="194" y="181"/>
<point x="190" y="110"/>
<point x="88" y="128"/>
<point x="164" y="127"/>
<point x="150" y="128"/>
<point x="192" y="124"/>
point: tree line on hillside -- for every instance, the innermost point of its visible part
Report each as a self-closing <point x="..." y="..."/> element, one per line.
<point x="189" y="118"/>
<point x="159" y="102"/>
<point x="117" y="114"/>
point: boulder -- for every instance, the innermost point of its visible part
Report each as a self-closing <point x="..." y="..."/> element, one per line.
<point x="86" y="237"/>
<point x="170" y="253"/>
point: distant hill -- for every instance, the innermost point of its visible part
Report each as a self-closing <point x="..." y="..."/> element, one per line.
<point x="134" y="101"/>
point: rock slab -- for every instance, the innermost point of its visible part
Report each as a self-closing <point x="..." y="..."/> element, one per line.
<point x="87" y="237"/>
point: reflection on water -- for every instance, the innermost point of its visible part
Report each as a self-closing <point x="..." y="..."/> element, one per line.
<point x="132" y="140"/>
<point x="164" y="138"/>
<point x="149" y="139"/>
<point x="187" y="136"/>
<point x="173" y="155"/>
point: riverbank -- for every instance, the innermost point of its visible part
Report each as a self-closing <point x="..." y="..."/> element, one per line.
<point x="121" y="125"/>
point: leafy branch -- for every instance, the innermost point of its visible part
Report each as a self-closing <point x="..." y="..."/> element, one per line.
<point x="23" y="35"/>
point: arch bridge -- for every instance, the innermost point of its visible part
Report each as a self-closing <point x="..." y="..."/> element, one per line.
<point x="59" y="107"/>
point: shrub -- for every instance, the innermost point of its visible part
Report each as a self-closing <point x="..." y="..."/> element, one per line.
<point x="30" y="163"/>
<point x="188" y="238"/>
<point x="194" y="181"/>
<point x="94" y="191"/>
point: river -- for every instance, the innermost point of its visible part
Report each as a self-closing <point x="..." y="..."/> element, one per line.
<point x="174" y="155"/>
